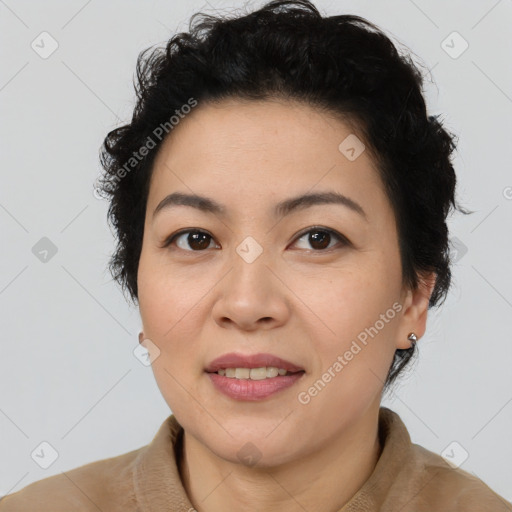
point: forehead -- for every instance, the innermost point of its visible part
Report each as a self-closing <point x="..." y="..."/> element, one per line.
<point x="256" y="128"/>
<point x="263" y="150"/>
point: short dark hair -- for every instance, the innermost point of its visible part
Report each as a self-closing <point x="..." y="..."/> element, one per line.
<point x="343" y="65"/>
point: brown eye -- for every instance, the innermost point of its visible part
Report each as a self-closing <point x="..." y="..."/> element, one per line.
<point x="320" y="238"/>
<point x="196" y="240"/>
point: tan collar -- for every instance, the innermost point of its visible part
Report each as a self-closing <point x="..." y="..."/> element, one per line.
<point x="395" y="455"/>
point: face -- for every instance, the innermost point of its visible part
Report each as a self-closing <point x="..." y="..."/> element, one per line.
<point x="318" y="285"/>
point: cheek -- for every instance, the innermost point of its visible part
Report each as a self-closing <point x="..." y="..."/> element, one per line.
<point x="354" y="362"/>
<point x="167" y="296"/>
<point x="348" y="299"/>
<point x="359" y="313"/>
<point x="168" y="308"/>
<point x="171" y="304"/>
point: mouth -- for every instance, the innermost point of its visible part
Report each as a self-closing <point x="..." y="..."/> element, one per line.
<point x="252" y="377"/>
<point x="252" y="366"/>
<point x="261" y="373"/>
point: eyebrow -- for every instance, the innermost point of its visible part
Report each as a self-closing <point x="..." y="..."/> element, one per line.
<point x="286" y="207"/>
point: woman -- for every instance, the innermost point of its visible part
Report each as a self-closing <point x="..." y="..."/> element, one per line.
<point x="280" y="199"/>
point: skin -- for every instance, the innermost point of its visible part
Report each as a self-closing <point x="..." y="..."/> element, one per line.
<point x="296" y="301"/>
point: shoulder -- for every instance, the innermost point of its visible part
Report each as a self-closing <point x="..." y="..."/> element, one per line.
<point x="452" y="488"/>
<point x="101" y="485"/>
<point x="410" y="477"/>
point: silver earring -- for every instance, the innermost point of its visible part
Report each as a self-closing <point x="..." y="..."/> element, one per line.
<point x="412" y="338"/>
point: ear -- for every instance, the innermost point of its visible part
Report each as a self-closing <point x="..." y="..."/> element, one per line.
<point x="141" y="336"/>
<point x="415" y="308"/>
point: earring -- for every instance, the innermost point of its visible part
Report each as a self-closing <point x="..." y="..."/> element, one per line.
<point x="412" y="338"/>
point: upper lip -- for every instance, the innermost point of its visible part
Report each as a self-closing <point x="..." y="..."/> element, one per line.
<point x="234" y="360"/>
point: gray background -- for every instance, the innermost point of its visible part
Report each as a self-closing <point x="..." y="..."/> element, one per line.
<point x="68" y="375"/>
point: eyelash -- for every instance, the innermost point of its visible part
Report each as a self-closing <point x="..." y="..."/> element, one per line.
<point x="313" y="229"/>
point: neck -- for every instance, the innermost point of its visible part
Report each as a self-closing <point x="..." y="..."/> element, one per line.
<point x="323" y="481"/>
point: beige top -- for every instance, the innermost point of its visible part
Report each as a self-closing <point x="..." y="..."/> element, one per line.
<point x="407" y="478"/>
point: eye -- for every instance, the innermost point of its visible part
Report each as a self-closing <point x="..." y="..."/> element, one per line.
<point x="320" y="238"/>
<point x="198" y="240"/>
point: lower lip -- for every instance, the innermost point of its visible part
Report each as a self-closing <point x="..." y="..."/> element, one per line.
<point x="247" y="389"/>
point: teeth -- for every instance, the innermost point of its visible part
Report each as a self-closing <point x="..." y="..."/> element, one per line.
<point x="265" y="372"/>
<point x="242" y="373"/>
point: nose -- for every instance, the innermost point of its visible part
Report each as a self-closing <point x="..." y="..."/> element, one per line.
<point x="252" y="296"/>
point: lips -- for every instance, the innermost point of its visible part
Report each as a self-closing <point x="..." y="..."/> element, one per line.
<point x="234" y="360"/>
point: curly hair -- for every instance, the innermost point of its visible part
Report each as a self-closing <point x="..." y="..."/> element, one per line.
<point x="342" y="65"/>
